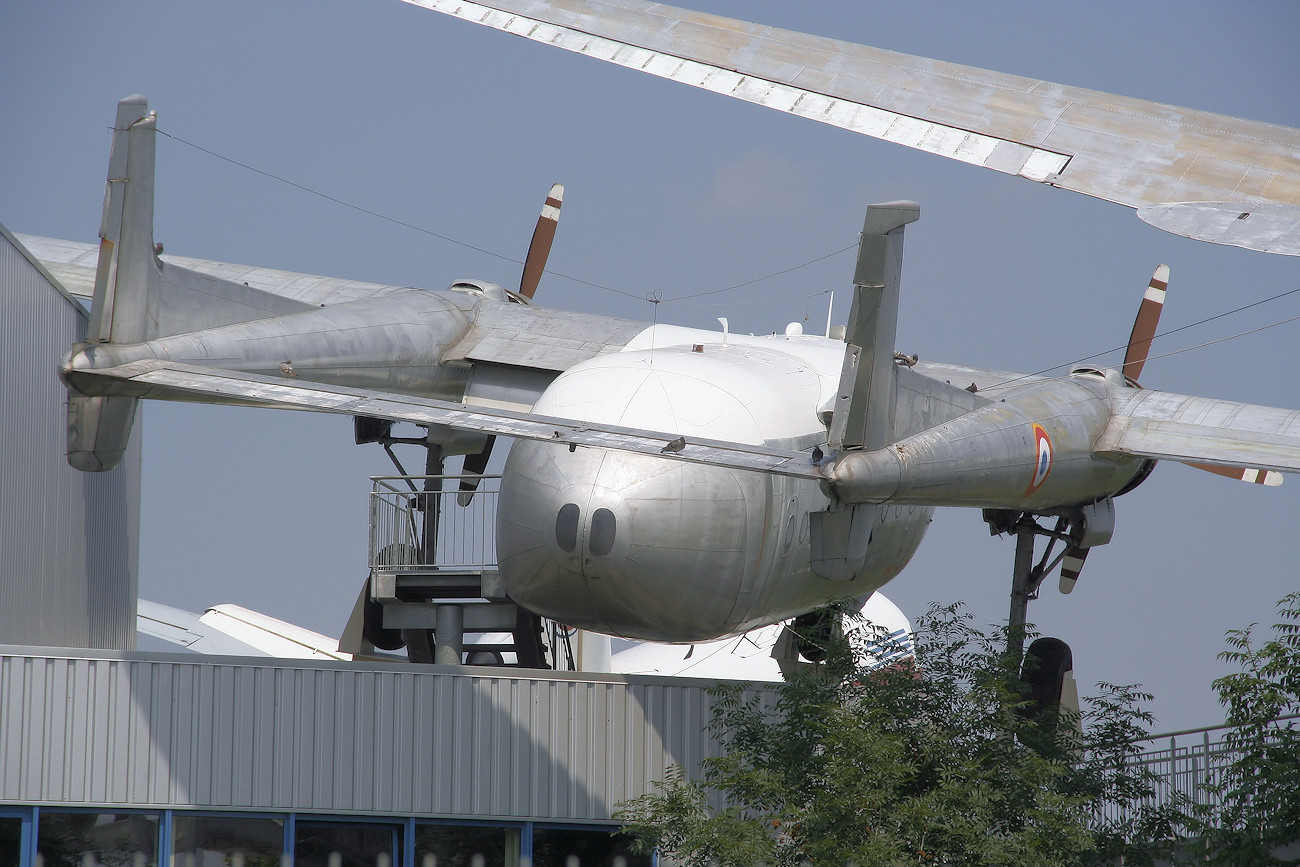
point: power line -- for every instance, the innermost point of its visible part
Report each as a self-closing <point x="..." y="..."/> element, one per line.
<point x="425" y="231"/>
<point x="1175" y="331"/>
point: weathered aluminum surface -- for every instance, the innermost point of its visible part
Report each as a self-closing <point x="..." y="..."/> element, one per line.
<point x="134" y="729"/>
<point x="1269" y="227"/>
<point x="1116" y="148"/>
<point x="540" y="338"/>
<point x="1178" y="427"/>
<point x="393" y="343"/>
<point x="642" y="547"/>
<point x="69" y="540"/>
<point x="74" y="263"/>
<point x="512" y="334"/>
<point x="863" y="414"/>
<point x="175" y="381"/>
<point x="1032" y="449"/>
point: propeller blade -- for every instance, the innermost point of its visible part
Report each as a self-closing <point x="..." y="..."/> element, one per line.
<point x="474" y="465"/>
<point x="1139" y="346"/>
<point x="1271" y="478"/>
<point x="1071" y="566"/>
<point x="1144" y="327"/>
<point x="540" y="248"/>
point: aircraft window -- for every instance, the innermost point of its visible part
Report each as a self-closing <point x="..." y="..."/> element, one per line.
<point x="602" y="532"/>
<point x="566" y="527"/>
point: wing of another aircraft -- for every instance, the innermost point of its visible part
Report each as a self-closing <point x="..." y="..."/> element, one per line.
<point x="1194" y="173"/>
<point x="1157" y="424"/>
<point x="174" y="381"/>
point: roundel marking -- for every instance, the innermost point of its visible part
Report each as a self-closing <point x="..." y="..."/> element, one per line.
<point x="1043" y="458"/>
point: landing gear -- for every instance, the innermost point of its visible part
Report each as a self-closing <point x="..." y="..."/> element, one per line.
<point x="1078" y="530"/>
<point x="1046" y="671"/>
<point x="1026" y="575"/>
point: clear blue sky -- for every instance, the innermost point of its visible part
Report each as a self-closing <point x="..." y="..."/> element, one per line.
<point x="461" y="130"/>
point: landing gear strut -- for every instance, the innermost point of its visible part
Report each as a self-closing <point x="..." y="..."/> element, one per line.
<point x="1027" y="576"/>
<point x="1079" y="530"/>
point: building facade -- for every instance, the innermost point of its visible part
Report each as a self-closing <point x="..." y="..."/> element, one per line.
<point x="142" y="758"/>
<point x="69" y="540"/>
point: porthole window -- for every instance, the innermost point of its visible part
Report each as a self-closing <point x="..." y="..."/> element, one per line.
<point x="566" y="527"/>
<point x="602" y="532"/>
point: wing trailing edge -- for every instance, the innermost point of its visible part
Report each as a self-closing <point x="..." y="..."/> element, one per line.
<point x="167" y="380"/>
<point x="1130" y="151"/>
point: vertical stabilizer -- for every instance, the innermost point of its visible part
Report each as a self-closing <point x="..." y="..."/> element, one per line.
<point x="864" y="405"/>
<point x="127" y="285"/>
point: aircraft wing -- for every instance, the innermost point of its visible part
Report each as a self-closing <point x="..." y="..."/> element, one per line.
<point x="1194" y="173"/>
<point x="168" y="380"/>
<point x="1157" y="424"/>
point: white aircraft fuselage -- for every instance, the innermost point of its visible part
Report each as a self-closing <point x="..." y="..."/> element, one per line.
<point x="660" y="549"/>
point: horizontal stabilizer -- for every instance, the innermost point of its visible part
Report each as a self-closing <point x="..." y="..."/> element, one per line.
<point x="136" y="297"/>
<point x="1191" y="430"/>
<point x="224" y="292"/>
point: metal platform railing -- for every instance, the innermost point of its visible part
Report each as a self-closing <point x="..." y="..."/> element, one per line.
<point x="1185" y="765"/>
<point x="413" y="529"/>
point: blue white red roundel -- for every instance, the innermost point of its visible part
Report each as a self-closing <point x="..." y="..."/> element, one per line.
<point x="1043" y="462"/>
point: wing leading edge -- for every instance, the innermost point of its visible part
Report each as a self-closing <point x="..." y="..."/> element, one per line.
<point x="1145" y="423"/>
<point x="1194" y="173"/>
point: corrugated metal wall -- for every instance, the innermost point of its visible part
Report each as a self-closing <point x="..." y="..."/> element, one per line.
<point x="68" y="540"/>
<point x="150" y="730"/>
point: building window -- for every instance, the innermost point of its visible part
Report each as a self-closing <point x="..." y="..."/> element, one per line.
<point x="108" y="839"/>
<point x="466" y="846"/>
<point x="573" y="847"/>
<point x="11" y="841"/>
<point x="334" y="844"/>
<point x="226" y="841"/>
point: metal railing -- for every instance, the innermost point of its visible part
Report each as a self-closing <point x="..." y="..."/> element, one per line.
<point x="414" y="529"/>
<point x="1185" y="765"/>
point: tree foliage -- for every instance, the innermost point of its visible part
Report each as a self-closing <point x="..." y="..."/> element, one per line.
<point x="1253" y="809"/>
<point x="931" y="762"/>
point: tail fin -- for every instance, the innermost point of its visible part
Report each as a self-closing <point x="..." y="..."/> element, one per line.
<point x="126" y="278"/>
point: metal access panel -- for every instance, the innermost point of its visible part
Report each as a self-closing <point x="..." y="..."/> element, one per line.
<point x="69" y="540"/>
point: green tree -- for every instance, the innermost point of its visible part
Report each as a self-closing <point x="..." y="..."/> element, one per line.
<point x="931" y="762"/>
<point x="1254" y="808"/>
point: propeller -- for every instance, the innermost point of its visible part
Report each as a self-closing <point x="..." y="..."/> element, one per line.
<point x="539" y="249"/>
<point x="1135" y="358"/>
<point x="1139" y="347"/>
<point x="1144" y="326"/>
